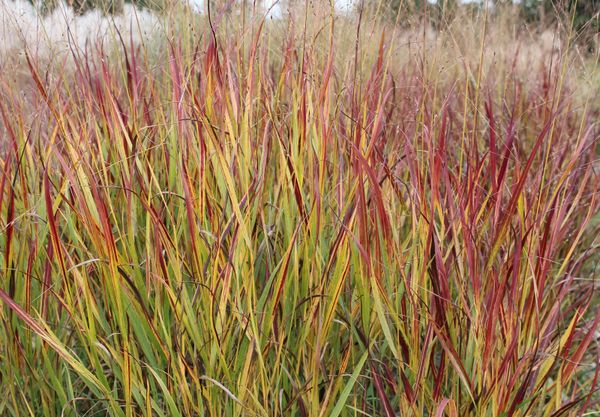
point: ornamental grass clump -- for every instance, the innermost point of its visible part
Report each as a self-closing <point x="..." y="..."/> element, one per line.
<point x="304" y="216"/>
<point x="52" y="37"/>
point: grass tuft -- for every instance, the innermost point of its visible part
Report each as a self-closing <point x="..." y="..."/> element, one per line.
<point x="319" y="215"/>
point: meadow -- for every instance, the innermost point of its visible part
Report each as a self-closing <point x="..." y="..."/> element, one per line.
<point x="321" y="214"/>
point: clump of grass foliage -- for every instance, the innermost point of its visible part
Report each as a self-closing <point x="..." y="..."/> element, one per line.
<point x="319" y="215"/>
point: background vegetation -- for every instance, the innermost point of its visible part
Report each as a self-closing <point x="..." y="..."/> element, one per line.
<point x="319" y="215"/>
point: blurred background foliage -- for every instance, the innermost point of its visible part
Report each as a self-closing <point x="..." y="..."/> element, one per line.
<point x="107" y="6"/>
<point x="536" y="14"/>
<point x="584" y="14"/>
<point x="540" y="13"/>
